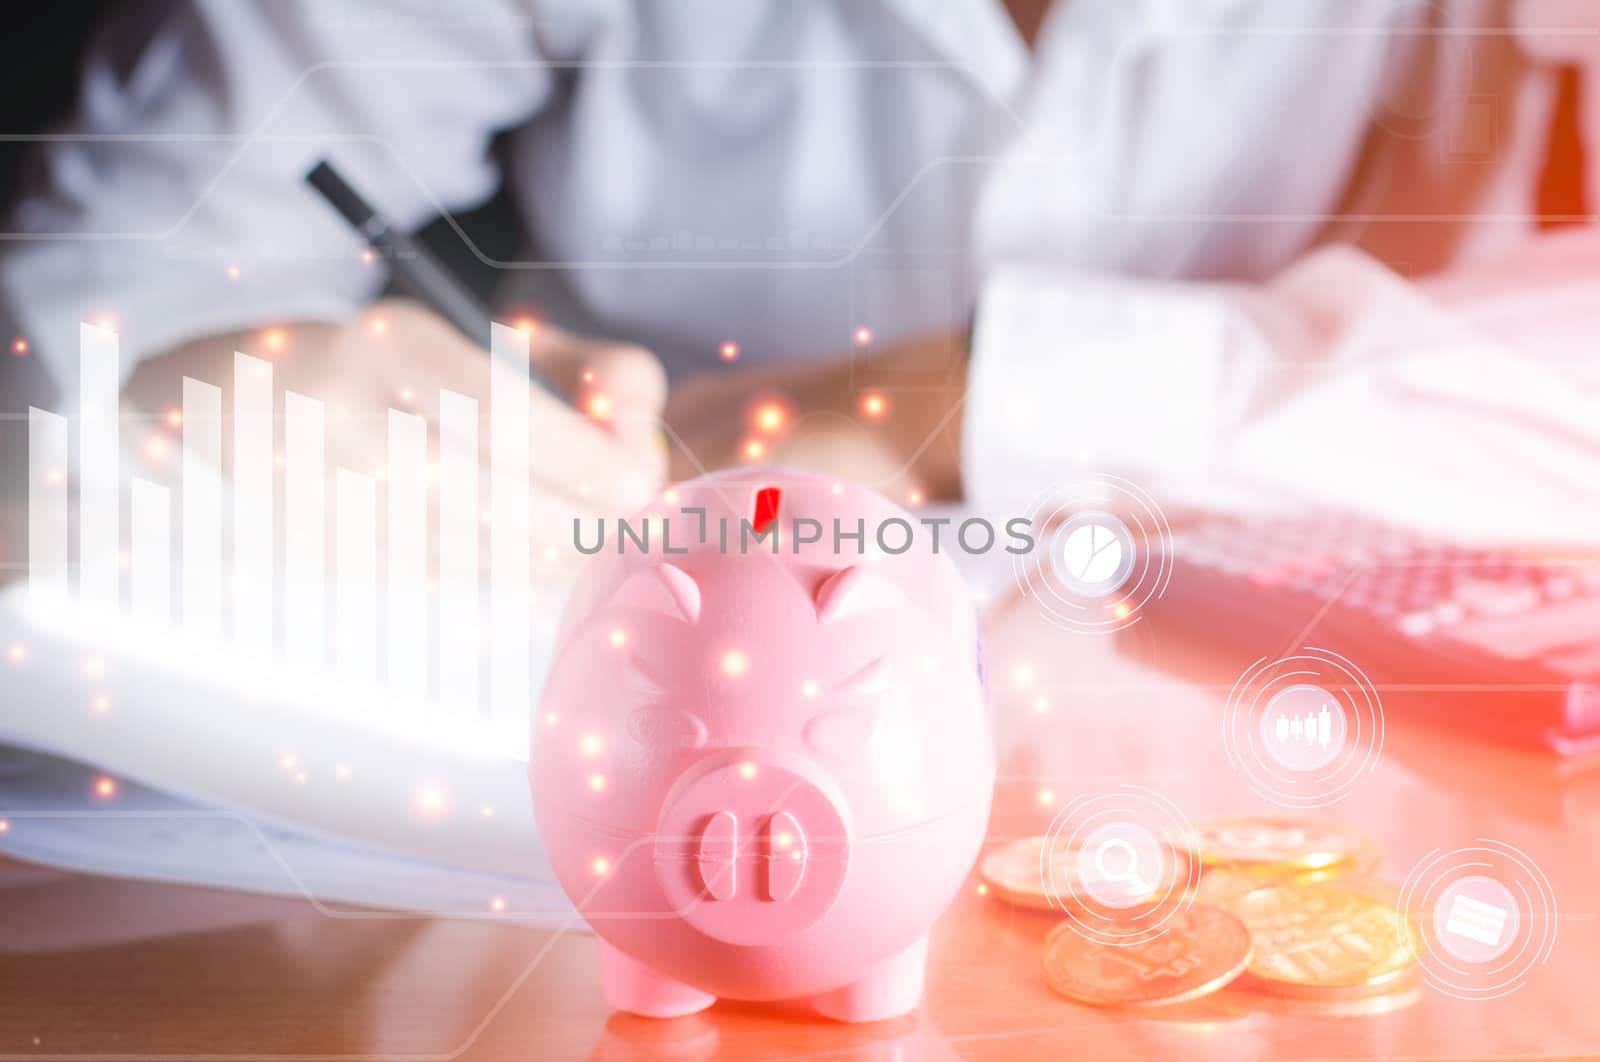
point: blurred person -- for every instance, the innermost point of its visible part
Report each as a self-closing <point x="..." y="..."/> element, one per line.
<point x="790" y="210"/>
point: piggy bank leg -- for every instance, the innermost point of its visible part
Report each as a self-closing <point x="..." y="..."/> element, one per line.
<point x="888" y="990"/>
<point x="630" y="985"/>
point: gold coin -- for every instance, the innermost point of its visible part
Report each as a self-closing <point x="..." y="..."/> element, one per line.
<point x="1221" y="885"/>
<point x="1324" y="940"/>
<point x="1269" y="848"/>
<point x="1198" y="951"/>
<point x="1016" y="874"/>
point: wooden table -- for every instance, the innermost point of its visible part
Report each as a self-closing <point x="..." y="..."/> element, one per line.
<point x="99" y="969"/>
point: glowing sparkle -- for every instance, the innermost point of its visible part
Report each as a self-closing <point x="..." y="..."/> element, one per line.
<point x="342" y="772"/>
<point x="619" y="637"/>
<point x="863" y="336"/>
<point x="809" y="689"/>
<point x="874" y="405"/>
<point x="590" y="745"/>
<point x="274" y="339"/>
<point x="734" y="663"/>
<point x="838" y="488"/>
<point x="601" y="866"/>
<point x="525" y="325"/>
<point x="288" y="761"/>
<point x="94" y="667"/>
<point x="915" y="497"/>
<point x="101" y="704"/>
<point x="368" y="257"/>
<point x="497" y="904"/>
<point x="670" y="496"/>
<point x="1041" y="705"/>
<point x="19" y="346"/>
<point x="983" y="889"/>
<point x="1022" y="674"/>
<point x="299" y="778"/>
<point x="407" y="394"/>
<point x="754" y="450"/>
<point x="588" y="376"/>
<point x="597" y="782"/>
<point x="233" y="272"/>
<point x="770" y="417"/>
<point x="431" y="800"/>
<point x="1046" y="797"/>
<point x="156" y="447"/>
<point x="5" y="826"/>
<point x="105" y="787"/>
<point x="174" y="418"/>
<point x="551" y="719"/>
<point x="730" y="352"/>
<point x="16" y="652"/>
<point x="600" y="406"/>
<point x="1121" y="610"/>
<point x="747" y="770"/>
<point x="784" y="839"/>
<point x="487" y="811"/>
<point x="378" y="325"/>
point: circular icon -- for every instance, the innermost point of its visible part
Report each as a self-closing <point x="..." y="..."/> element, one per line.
<point x="1476" y="920"/>
<point x="1303" y="728"/>
<point x="1093" y="553"/>
<point x="1121" y="864"/>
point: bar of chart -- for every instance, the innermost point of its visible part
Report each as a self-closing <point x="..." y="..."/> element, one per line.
<point x="377" y="578"/>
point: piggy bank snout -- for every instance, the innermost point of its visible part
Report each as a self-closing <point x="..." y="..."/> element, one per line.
<point x="752" y="847"/>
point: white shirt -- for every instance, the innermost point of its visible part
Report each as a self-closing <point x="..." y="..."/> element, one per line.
<point x="777" y="173"/>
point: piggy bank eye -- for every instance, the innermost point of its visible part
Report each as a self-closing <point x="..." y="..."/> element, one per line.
<point x="657" y="727"/>
<point x="853" y="725"/>
<point x="842" y="729"/>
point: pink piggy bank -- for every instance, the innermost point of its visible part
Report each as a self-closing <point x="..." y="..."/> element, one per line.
<point x="762" y="766"/>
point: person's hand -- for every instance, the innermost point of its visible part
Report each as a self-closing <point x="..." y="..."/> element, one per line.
<point x="603" y="457"/>
<point x="890" y="419"/>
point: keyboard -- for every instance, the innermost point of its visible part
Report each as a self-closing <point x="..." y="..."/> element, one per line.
<point x="1492" y="642"/>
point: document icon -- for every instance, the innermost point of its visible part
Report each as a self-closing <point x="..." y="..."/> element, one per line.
<point x="1476" y="920"/>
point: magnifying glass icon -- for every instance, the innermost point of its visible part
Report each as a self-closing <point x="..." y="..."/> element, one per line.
<point x="1127" y="857"/>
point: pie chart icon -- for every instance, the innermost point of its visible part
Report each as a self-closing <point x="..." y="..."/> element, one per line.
<point x="1092" y="554"/>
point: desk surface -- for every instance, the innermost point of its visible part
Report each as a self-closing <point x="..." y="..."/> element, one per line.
<point x="114" y="969"/>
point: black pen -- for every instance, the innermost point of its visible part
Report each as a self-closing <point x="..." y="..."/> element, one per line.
<point x="413" y="264"/>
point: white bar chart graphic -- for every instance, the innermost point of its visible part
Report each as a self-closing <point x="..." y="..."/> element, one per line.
<point x="375" y="576"/>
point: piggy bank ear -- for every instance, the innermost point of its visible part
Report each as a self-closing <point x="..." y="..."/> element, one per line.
<point x="663" y="588"/>
<point x="857" y="589"/>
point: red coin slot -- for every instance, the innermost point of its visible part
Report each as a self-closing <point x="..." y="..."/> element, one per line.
<point x="766" y="509"/>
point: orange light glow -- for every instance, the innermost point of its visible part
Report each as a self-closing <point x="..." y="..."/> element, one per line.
<point x="619" y="637"/>
<point x="105" y="787"/>
<point x="874" y="405"/>
<point x="525" y="325"/>
<point x="19" y="346"/>
<point x="863" y="336"/>
<point x="233" y="272"/>
<point x="1121" y="610"/>
<point x="1046" y="797"/>
<point x="597" y="782"/>
<point x="5" y="826"/>
<point x="600" y="406"/>
<point x="551" y="719"/>
<point x="406" y="394"/>
<point x="770" y="417"/>
<point x="601" y="866"/>
<point x="274" y="338"/>
<point x="915" y="497"/>
<point x="983" y="889"/>
<point x="368" y="257"/>
<point x="747" y="771"/>
<point x="734" y="663"/>
<point x="497" y="904"/>
<point x="379" y="326"/>
<point x="730" y="352"/>
<point x="174" y="418"/>
<point x="809" y="689"/>
<point x="754" y="450"/>
<point x="16" y="652"/>
<point x="590" y="745"/>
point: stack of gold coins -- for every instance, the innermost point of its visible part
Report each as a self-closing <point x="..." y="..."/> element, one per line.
<point x="1282" y="909"/>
